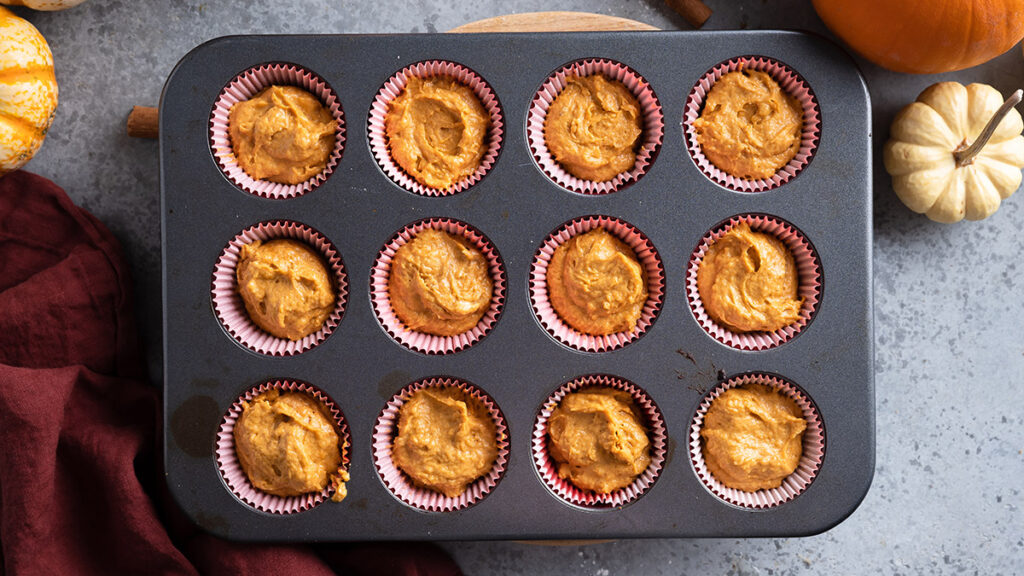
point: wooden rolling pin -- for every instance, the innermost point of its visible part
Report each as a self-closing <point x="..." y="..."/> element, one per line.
<point x="144" y="121"/>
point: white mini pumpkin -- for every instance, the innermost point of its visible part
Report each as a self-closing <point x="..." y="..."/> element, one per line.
<point x="941" y="161"/>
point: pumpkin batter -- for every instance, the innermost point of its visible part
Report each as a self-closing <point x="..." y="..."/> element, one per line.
<point x="753" y="437"/>
<point x="749" y="128"/>
<point x="285" y="286"/>
<point x="748" y="282"/>
<point x="440" y="283"/>
<point x="595" y="283"/>
<point x="287" y="445"/>
<point x="282" y="134"/>
<point x="446" y="439"/>
<point x="593" y="127"/>
<point x="436" y="129"/>
<point x="598" y="440"/>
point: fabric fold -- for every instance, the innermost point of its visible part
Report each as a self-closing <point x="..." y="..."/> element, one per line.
<point x="80" y="488"/>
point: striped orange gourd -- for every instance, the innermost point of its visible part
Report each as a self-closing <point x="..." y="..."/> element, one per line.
<point x="48" y="5"/>
<point x="28" y="91"/>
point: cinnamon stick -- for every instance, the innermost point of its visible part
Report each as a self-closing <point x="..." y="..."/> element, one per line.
<point x="694" y="11"/>
<point x="143" y="122"/>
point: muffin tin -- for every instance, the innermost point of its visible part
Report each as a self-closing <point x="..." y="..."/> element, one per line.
<point x="518" y="363"/>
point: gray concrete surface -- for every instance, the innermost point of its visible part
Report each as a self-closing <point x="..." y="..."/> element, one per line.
<point x="949" y="299"/>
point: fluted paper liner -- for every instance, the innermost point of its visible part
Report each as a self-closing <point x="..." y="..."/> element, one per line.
<point x="395" y="85"/>
<point x="233" y="474"/>
<point x="246" y="85"/>
<point x="809" y="283"/>
<point x="421" y="341"/>
<point x="653" y="129"/>
<point x="645" y="253"/>
<point x="547" y="467"/>
<point x="791" y="83"/>
<point x="230" y="308"/>
<point x="386" y="430"/>
<point x="794" y="484"/>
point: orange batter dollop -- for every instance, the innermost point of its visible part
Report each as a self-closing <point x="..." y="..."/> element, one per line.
<point x="282" y="134"/>
<point x="285" y="286"/>
<point x="446" y="440"/>
<point x="748" y="282"/>
<point x="753" y="437"/>
<point x="750" y="127"/>
<point x="593" y="127"/>
<point x="596" y="284"/>
<point x="436" y="130"/>
<point x="287" y="445"/>
<point x="598" y="439"/>
<point x="440" y="283"/>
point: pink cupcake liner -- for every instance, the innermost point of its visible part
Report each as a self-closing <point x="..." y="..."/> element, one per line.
<point x="808" y="271"/>
<point x="793" y="84"/>
<point x="230" y="308"/>
<point x="386" y="429"/>
<point x="395" y="86"/>
<point x="547" y="467"/>
<point x="245" y="86"/>
<point x="795" y="483"/>
<point x="654" y="124"/>
<point x="233" y="474"/>
<point x="645" y="253"/>
<point x="421" y="341"/>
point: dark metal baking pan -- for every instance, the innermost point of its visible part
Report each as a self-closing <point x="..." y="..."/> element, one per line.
<point x="516" y="206"/>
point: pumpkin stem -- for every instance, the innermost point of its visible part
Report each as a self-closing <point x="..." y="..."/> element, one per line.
<point x="964" y="155"/>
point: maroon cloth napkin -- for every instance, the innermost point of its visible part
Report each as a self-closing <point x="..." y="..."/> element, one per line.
<point x="80" y="492"/>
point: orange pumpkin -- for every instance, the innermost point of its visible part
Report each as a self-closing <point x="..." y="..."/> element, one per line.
<point x="28" y="91"/>
<point x="925" y="36"/>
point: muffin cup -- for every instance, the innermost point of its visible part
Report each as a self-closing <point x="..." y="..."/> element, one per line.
<point x="808" y="271"/>
<point x="386" y="430"/>
<point x="231" y="469"/>
<point x="645" y="252"/>
<point x="243" y="87"/>
<point x="230" y="308"/>
<point x="792" y="84"/>
<point x="653" y="132"/>
<point x="422" y="342"/>
<point x="794" y="484"/>
<point x="547" y="466"/>
<point x="395" y="85"/>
